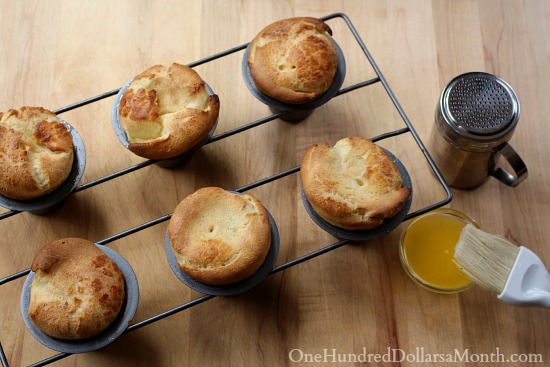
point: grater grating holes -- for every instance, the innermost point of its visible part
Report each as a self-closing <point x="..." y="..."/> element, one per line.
<point x="481" y="105"/>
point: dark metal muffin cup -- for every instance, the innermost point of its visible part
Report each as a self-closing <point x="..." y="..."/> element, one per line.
<point x="233" y="288"/>
<point x="297" y="112"/>
<point x="365" y="234"/>
<point x="46" y="203"/>
<point x="165" y="163"/>
<point x="113" y="331"/>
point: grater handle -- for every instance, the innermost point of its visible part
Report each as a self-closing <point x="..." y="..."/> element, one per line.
<point x="515" y="161"/>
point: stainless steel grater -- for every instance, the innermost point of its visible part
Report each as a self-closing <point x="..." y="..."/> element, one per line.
<point x="476" y="117"/>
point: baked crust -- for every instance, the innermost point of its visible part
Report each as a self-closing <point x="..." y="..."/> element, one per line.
<point x="36" y="153"/>
<point x="353" y="185"/>
<point x="166" y="110"/>
<point x="219" y="237"/>
<point x="77" y="291"/>
<point x="293" y="60"/>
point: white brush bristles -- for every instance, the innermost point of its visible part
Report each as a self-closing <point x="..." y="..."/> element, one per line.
<point x="485" y="258"/>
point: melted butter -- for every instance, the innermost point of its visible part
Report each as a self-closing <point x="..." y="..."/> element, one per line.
<point x="428" y="248"/>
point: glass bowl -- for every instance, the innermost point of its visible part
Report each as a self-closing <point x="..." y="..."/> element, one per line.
<point x="426" y="250"/>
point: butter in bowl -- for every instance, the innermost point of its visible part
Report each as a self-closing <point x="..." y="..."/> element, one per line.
<point x="426" y="250"/>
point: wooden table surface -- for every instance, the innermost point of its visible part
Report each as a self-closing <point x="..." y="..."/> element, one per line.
<point x="355" y="300"/>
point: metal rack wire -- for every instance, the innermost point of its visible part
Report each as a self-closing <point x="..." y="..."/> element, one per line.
<point x="379" y="79"/>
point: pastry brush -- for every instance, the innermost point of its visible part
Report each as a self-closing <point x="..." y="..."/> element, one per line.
<point x="515" y="273"/>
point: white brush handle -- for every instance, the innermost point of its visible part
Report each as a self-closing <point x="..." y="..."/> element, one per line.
<point x="528" y="283"/>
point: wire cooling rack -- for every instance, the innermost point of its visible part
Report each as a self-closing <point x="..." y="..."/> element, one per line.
<point x="379" y="79"/>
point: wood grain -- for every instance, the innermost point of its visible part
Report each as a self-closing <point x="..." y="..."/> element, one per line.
<point x="356" y="299"/>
